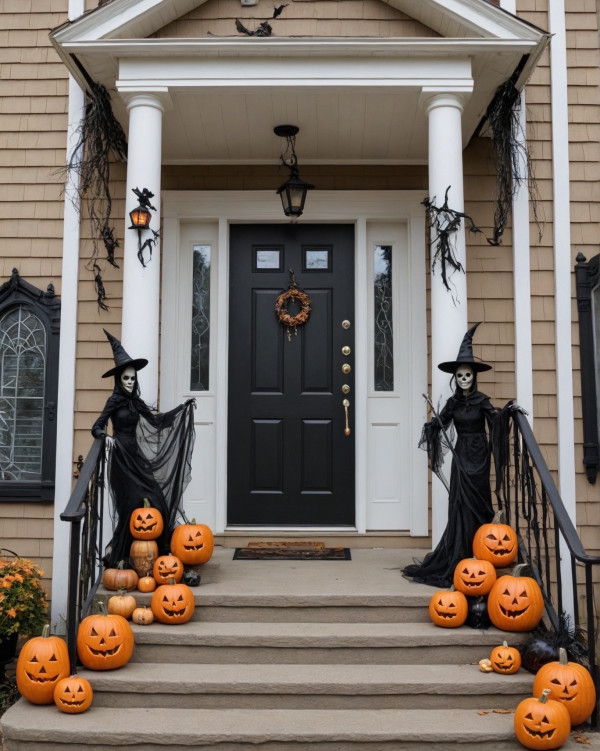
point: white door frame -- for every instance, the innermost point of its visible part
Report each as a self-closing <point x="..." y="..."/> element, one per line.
<point x="360" y="208"/>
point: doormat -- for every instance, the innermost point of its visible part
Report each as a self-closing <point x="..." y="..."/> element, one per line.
<point x="291" y="552"/>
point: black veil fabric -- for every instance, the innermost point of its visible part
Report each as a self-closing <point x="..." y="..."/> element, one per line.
<point x="469" y="492"/>
<point x="149" y="457"/>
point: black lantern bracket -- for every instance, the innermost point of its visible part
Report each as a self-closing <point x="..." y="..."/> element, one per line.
<point x="140" y="220"/>
<point x="294" y="189"/>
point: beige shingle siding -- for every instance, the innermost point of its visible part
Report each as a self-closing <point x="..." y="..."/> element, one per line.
<point x="33" y="106"/>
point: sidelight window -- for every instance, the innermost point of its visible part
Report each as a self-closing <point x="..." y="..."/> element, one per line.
<point x="199" y="377"/>
<point x="383" y="318"/>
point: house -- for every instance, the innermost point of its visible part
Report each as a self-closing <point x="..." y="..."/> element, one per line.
<point x="387" y="105"/>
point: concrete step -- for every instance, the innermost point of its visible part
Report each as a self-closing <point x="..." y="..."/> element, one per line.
<point x="306" y="687"/>
<point x="31" y="728"/>
<point x="319" y="643"/>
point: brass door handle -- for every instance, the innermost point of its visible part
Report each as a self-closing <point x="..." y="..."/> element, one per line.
<point x="346" y="404"/>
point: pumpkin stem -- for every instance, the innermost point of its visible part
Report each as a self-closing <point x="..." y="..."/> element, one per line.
<point x="147" y="503"/>
<point x="521" y="569"/>
<point x="46" y="631"/>
<point x="505" y="644"/>
<point x="544" y="697"/>
<point x="562" y="656"/>
<point x="499" y="517"/>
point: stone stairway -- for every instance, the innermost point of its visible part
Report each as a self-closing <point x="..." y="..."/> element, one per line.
<point x="294" y="656"/>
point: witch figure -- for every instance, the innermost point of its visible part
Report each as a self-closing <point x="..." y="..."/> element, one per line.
<point x="467" y="413"/>
<point x="149" y="454"/>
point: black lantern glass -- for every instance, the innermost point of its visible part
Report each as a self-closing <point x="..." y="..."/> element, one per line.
<point x="294" y="189"/>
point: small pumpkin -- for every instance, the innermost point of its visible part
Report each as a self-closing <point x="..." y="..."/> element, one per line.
<point x="515" y="602"/>
<point x="173" y="603"/>
<point x="43" y="661"/>
<point x="541" y="723"/>
<point x="104" y="641"/>
<point x="496" y="542"/>
<point x="505" y="660"/>
<point x="146" y="584"/>
<point x="168" y="567"/>
<point x="192" y="543"/>
<point x="146" y="522"/>
<point x="73" y="695"/>
<point x="448" y="608"/>
<point x="121" y="604"/>
<point x="569" y="683"/>
<point x="143" y="553"/>
<point x="473" y="577"/>
<point x="143" y="616"/>
<point x="120" y="578"/>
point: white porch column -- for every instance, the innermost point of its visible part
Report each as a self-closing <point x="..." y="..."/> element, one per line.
<point x="448" y="307"/>
<point x="141" y="285"/>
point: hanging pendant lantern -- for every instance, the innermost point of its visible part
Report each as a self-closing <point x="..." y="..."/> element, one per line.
<point x="294" y="189"/>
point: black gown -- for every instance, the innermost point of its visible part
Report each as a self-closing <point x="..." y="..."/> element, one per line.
<point x="150" y="457"/>
<point x="469" y="495"/>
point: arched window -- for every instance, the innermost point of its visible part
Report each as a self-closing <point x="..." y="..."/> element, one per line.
<point x="29" y="328"/>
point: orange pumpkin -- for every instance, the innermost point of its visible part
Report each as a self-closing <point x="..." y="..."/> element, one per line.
<point x="143" y="553"/>
<point x="104" y="641"/>
<point x="496" y="542"/>
<point x="43" y="661"/>
<point x="122" y="604"/>
<point x="192" y="543"/>
<point x="541" y="723"/>
<point x="120" y="578"/>
<point x="515" y="603"/>
<point x="143" y="616"/>
<point x="448" y="608"/>
<point x="73" y="695"/>
<point x="173" y="603"/>
<point x="167" y="567"/>
<point x="569" y="683"/>
<point x="474" y="577"/>
<point x="146" y="584"/>
<point x="146" y="523"/>
<point x="505" y="660"/>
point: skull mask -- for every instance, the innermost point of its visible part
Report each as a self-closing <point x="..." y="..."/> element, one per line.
<point x="128" y="379"/>
<point x="464" y="378"/>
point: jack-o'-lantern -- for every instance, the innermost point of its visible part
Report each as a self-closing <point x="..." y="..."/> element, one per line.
<point x="192" y="543"/>
<point x="43" y="661"/>
<point x="515" y="603"/>
<point x="496" y="542"/>
<point x="167" y="567"/>
<point x="73" y="695"/>
<point x="474" y="577"/>
<point x="569" y="683"/>
<point x="541" y="723"/>
<point x="505" y="660"/>
<point x="173" y="603"/>
<point x="146" y="523"/>
<point x="143" y="553"/>
<point x="104" y="641"/>
<point x="448" y="608"/>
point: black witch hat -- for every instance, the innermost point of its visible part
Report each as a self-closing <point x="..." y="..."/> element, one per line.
<point x="465" y="355"/>
<point x="122" y="359"/>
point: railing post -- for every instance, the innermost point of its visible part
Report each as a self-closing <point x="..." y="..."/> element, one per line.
<point x="73" y="587"/>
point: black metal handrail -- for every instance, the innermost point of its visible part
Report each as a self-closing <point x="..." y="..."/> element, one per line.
<point x="536" y="511"/>
<point x="84" y="512"/>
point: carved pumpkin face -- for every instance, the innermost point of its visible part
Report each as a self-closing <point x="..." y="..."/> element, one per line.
<point x="496" y="543"/>
<point x="569" y="683"/>
<point x="173" y="603"/>
<point x="146" y="523"/>
<point x="473" y="577"/>
<point x="104" y="642"/>
<point x="192" y="543"/>
<point x="167" y="567"/>
<point x="515" y="603"/>
<point x="73" y="695"/>
<point x="448" y="608"/>
<point x="505" y="660"/>
<point x="541" y="723"/>
<point x="42" y="662"/>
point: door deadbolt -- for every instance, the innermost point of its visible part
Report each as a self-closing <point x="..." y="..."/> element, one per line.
<point x="346" y="350"/>
<point x="345" y="389"/>
<point x="346" y="324"/>
<point x="346" y="368"/>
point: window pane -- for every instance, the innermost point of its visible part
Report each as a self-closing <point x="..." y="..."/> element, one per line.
<point x="200" y="318"/>
<point x="22" y="381"/>
<point x="383" y="335"/>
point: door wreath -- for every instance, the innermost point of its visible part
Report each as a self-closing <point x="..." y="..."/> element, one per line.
<point x="292" y="294"/>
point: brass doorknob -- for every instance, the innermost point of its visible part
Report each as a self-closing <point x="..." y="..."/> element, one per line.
<point x="346" y="350"/>
<point x="345" y="389"/>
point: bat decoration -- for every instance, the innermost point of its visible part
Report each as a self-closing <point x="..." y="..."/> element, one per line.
<point x="110" y="243"/>
<point x="264" y="29"/>
<point x="144" y="197"/>
<point x="100" y="291"/>
<point x="445" y="221"/>
<point x="147" y="244"/>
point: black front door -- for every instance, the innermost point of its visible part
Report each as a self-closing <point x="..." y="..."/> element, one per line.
<point x="290" y="436"/>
